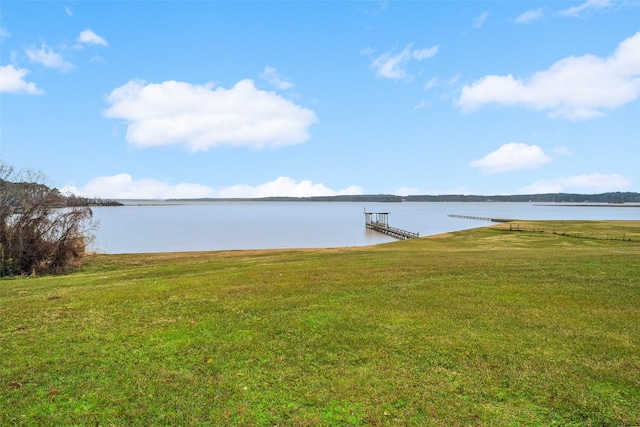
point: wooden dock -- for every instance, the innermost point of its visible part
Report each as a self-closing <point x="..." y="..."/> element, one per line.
<point x="481" y="218"/>
<point x="379" y="221"/>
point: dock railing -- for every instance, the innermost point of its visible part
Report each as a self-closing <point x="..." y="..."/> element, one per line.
<point x="379" y="221"/>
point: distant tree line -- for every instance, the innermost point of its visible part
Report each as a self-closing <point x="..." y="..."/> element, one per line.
<point x="73" y="200"/>
<point x="36" y="190"/>
<point x="616" y="197"/>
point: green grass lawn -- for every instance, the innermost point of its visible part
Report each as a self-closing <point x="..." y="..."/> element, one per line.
<point x="539" y="326"/>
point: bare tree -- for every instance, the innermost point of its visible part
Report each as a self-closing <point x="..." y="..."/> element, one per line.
<point x="39" y="232"/>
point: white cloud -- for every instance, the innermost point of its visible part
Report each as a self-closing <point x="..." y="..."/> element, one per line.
<point x="480" y="20"/>
<point x="390" y="66"/>
<point x="407" y="191"/>
<point x="89" y="37"/>
<point x="68" y="11"/>
<point x="577" y="11"/>
<point x="12" y="81"/>
<point x="412" y="191"/>
<point x="47" y="57"/>
<point x="512" y="157"/>
<point x="542" y="187"/>
<point x="124" y="186"/>
<point x="272" y="77"/>
<point x="202" y="117"/>
<point x="597" y="183"/>
<point x="574" y="88"/>
<point x="530" y="16"/>
<point x="284" y="186"/>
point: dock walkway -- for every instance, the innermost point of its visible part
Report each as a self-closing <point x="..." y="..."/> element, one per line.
<point x="379" y="221"/>
<point x="481" y="218"/>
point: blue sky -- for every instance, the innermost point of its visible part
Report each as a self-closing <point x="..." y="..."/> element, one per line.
<point x="146" y="99"/>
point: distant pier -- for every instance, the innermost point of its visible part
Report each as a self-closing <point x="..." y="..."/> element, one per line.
<point x="481" y="218"/>
<point x="379" y="221"/>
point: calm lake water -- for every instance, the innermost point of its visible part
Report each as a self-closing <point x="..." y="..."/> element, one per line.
<point x="203" y="226"/>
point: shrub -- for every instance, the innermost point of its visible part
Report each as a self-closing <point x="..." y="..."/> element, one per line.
<point x="39" y="233"/>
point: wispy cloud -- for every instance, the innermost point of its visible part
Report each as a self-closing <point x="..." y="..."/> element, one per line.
<point x="68" y="11"/>
<point x="12" y="81"/>
<point x="202" y="117"/>
<point x="529" y="16"/>
<point x="124" y="186"/>
<point x="4" y="33"/>
<point x="88" y="37"/>
<point x="431" y="83"/>
<point x="421" y="105"/>
<point x="271" y="76"/>
<point x="56" y="59"/>
<point x="420" y="54"/>
<point x="394" y="66"/>
<point x="588" y="5"/>
<point x="480" y="20"/>
<point x="561" y="150"/>
<point x="376" y="7"/>
<point x="596" y="182"/>
<point x="48" y="58"/>
<point x="512" y="157"/>
<point x="574" y="88"/>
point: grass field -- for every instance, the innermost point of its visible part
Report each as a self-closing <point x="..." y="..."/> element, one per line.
<point x="534" y="326"/>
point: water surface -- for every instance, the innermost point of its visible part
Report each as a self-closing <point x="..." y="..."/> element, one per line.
<point x="204" y="226"/>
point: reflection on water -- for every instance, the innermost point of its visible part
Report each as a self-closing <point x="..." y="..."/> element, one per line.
<point x="268" y="225"/>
